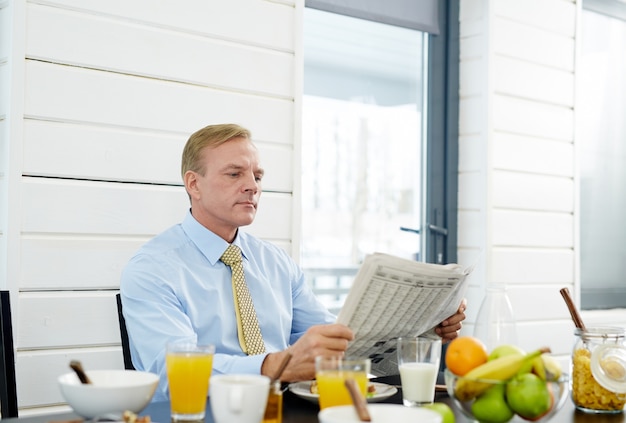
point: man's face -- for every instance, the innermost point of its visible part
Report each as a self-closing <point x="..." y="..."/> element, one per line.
<point x="226" y="197"/>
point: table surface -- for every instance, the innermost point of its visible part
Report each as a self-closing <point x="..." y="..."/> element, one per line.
<point x="299" y="410"/>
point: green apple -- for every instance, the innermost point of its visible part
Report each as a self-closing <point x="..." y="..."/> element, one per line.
<point x="528" y="396"/>
<point x="503" y="350"/>
<point x="491" y="406"/>
<point x="447" y="415"/>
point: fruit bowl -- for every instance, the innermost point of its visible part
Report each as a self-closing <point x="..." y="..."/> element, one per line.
<point x="496" y="408"/>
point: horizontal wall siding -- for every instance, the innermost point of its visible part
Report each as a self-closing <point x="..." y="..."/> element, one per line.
<point x="121" y="154"/>
<point x="532" y="44"/>
<point x="524" y="153"/>
<point x="513" y="115"/>
<point x="526" y="12"/>
<point x="112" y="90"/>
<point x="515" y="190"/>
<point x="532" y="229"/>
<point x="518" y="78"/>
<point x="73" y="261"/>
<point x="516" y="164"/>
<point x="269" y="24"/>
<point x="131" y="48"/>
<point x="87" y="207"/>
<point x="517" y="265"/>
<point x="64" y="319"/>
<point x="98" y="97"/>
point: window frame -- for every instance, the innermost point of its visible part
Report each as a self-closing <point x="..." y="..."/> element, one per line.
<point x="439" y="229"/>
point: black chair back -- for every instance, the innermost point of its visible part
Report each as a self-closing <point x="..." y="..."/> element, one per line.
<point x="8" y="387"/>
<point x="128" y="364"/>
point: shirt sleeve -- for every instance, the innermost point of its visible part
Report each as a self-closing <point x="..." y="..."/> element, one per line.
<point x="308" y="310"/>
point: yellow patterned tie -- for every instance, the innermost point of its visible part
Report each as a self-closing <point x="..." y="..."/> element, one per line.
<point x="248" y="330"/>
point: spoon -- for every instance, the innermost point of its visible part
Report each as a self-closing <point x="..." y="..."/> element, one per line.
<point x="578" y="321"/>
<point x="78" y="368"/>
<point x="359" y="401"/>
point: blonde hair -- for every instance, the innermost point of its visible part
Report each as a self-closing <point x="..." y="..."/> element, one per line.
<point x="209" y="136"/>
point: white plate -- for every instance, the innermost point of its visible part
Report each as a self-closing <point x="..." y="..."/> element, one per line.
<point x="303" y="390"/>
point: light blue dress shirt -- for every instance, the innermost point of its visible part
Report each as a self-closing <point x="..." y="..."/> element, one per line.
<point x="175" y="288"/>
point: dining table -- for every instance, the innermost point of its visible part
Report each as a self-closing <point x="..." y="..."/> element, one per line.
<point x="297" y="409"/>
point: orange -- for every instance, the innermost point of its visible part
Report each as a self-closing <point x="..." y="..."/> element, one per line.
<point x="465" y="353"/>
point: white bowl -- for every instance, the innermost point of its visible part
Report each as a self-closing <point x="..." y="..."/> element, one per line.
<point x="110" y="391"/>
<point x="380" y="413"/>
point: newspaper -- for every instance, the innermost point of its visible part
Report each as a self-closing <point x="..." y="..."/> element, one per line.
<point x="393" y="297"/>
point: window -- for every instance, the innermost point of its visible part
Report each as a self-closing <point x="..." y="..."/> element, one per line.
<point x="366" y="137"/>
<point x="601" y="151"/>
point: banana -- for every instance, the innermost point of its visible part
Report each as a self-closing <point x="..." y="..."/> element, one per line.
<point x="476" y="381"/>
<point x="552" y="368"/>
<point x="539" y="367"/>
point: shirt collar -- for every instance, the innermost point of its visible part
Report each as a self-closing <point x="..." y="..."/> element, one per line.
<point x="210" y="244"/>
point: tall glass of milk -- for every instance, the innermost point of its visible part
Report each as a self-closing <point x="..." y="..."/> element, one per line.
<point x="418" y="362"/>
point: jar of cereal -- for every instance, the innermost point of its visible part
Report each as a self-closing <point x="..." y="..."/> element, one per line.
<point x="598" y="369"/>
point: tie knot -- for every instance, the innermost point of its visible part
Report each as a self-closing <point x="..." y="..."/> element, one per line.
<point x="232" y="255"/>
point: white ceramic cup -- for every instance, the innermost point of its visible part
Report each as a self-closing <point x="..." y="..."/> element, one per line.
<point x="418" y="362"/>
<point x="380" y="413"/>
<point x="238" y="398"/>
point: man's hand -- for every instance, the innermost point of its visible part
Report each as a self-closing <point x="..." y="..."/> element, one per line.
<point x="327" y="340"/>
<point x="449" y="328"/>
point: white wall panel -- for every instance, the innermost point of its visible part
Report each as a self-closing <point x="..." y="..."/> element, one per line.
<point x="37" y="371"/>
<point x="522" y="191"/>
<point x="473" y="11"/>
<point x="69" y="94"/>
<point x="4" y="84"/>
<point x="533" y="266"/>
<point x="126" y="47"/>
<point x="71" y="262"/>
<point x="111" y="92"/>
<point x="473" y="234"/>
<point x="471" y="115"/>
<point x="62" y="319"/>
<point x="558" y="16"/>
<point x="532" y="44"/>
<point x="90" y="208"/>
<point x="532" y="229"/>
<point x="558" y="335"/>
<point x="472" y="157"/>
<point x="85" y="207"/>
<point x="534" y="155"/>
<point x="547" y="302"/>
<point x="471" y="47"/>
<point x="468" y="197"/>
<point x="4" y="149"/>
<point x="470" y="81"/>
<point x="531" y="81"/>
<point x="103" y="153"/>
<point x="5" y="25"/>
<point x="257" y="22"/>
<point x="119" y="154"/>
<point x="541" y="120"/>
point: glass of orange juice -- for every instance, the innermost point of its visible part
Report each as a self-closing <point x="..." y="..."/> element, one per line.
<point x="189" y="369"/>
<point x="331" y="374"/>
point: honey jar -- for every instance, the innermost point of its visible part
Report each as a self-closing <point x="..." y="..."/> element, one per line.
<point x="598" y="370"/>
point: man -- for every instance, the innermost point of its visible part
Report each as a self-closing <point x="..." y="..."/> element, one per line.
<point x="176" y="288"/>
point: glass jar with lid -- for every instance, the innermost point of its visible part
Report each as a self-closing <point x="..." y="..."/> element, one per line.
<point x="598" y="370"/>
